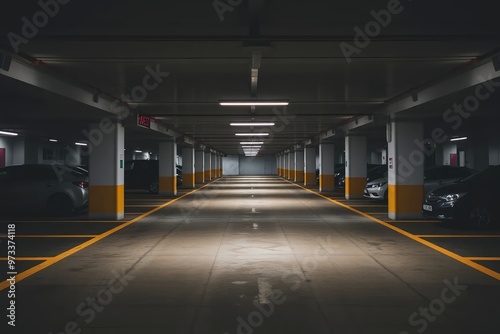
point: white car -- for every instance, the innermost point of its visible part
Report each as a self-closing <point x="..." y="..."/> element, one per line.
<point x="433" y="178"/>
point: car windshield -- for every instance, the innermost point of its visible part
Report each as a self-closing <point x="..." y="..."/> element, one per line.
<point x="488" y="173"/>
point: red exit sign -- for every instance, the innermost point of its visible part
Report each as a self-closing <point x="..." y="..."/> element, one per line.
<point x="144" y="121"/>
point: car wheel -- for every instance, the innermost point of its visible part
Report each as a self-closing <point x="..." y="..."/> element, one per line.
<point x="60" y="204"/>
<point x="480" y="217"/>
<point x="153" y="187"/>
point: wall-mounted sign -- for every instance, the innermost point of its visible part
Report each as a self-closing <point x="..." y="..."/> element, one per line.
<point x="391" y="163"/>
<point x="144" y="121"/>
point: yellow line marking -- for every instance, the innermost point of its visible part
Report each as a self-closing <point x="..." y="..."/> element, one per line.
<point x="140" y="206"/>
<point x="374" y="213"/>
<point x="64" y="221"/>
<point x="134" y="213"/>
<point x="414" y="221"/>
<point x="368" y="205"/>
<point x="39" y="267"/>
<point x="57" y="235"/>
<point x="429" y="244"/>
<point x="457" y="236"/>
<point x="483" y="258"/>
<point x="27" y="258"/>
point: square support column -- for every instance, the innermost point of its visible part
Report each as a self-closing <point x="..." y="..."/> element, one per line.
<point x="285" y="165"/>
<point x="208" y="165"/>
<point x="326" y="167"/>
<point x="406" y="170"/>
<point x="167" y="172"/>
<point x="309" y="166"/>
<point x="188" y="170"/>
<point x="106" y="190"/>
<point x="200" y="166"/>
<point x="355" y="164"/>
<point x="213" y="157"/>
<point x="299" y="166"/>
<point x="291" y="166"/>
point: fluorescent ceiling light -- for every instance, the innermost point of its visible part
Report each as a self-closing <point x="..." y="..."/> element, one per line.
<point x="251" y="143"/>
<point x="81" y="144"/>
<point x="138" y="151"/>
<point x="253" y="103"/>
<point x="256" y="146"/>
<point x="252" y="124"/>
<point x="253" y="134"/>
<point x="53" y="140"/>
<point x="6" y="133"/>
<point x="458" y="139"/>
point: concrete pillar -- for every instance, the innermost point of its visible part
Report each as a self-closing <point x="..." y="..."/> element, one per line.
<point x="299" y="166"/>
<point x="200" y="166"/>
<point x="281" y="165"/>
<point x="406" y="170"/>
<point x="291" y="166"/>
<point x="188" y="171"/>
<point x="212" y="165"/>
<point x="208" y="164"/>
<point x="326" y="167"/>
<point x="355" y="163"/>
<point x="277" y="165"/>
<point x="286" y="165"/>
<point x="168" y="159"/>
<point x="309" y="166"/>
<point x="106" y="190"/>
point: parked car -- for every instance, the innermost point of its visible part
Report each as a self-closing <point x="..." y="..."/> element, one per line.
<point x="433" y="177"/>
<point x="373" y="171"/>
<point x="144" y="174"/>
<point x="59" y="189"/>
<point x="473" y="200"/>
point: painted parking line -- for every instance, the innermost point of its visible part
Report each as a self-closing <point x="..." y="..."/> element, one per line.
<point x="53" y="260"/>
<point x="140" y="205"/>
<point x="368" y="205"/>
<point x="457" y="235"/>
<point x="57" y="235"/>
<point x="413" y="221"/>
<point x="429" y="244"/>
<point x="483" y="258"/>
<point x="64" y="221"/>
<point x="26" y="258"/>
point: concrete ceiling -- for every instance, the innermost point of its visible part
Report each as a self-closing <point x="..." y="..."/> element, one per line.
<point x="107" y="46"/>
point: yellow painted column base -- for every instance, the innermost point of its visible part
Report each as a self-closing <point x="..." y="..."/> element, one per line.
<point x="309" y="179"/>
<point x="106" y="202"/>
<point x="405" y="201"/>
<point x="168" y="185"/>
<point x="299" y="176"/>
<point x="354" y="187"/>
<point x="326" y="183"/>
<point x="200" y="177"/>
<point x="188" y="180"/>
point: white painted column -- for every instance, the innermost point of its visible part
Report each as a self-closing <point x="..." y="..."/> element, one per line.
<point x="406" y="170"/>
<point x="309" y="166"/>
<point x="326" y="167"/>
<point x="299" y="166"/>
<point x="355" y="163"/>
<point x="188" y="169"/>
<point x="167" y="163"/>
<point x="208" y="164"/>
<point x="106" y="172"/>
<point x="200" y="166"/>
<point x="291" y="165"/>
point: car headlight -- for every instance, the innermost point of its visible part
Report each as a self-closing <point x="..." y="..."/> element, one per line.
<point x="377" y="185"/>
<point x="451" y="197"/>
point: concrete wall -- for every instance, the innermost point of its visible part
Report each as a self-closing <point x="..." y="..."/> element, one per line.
<point x="241" y="165"/>
<point x="8" y="145"/>
<point x="231" y="165"/>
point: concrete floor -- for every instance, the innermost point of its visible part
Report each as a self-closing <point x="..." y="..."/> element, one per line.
<point x="256" y="255"/>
